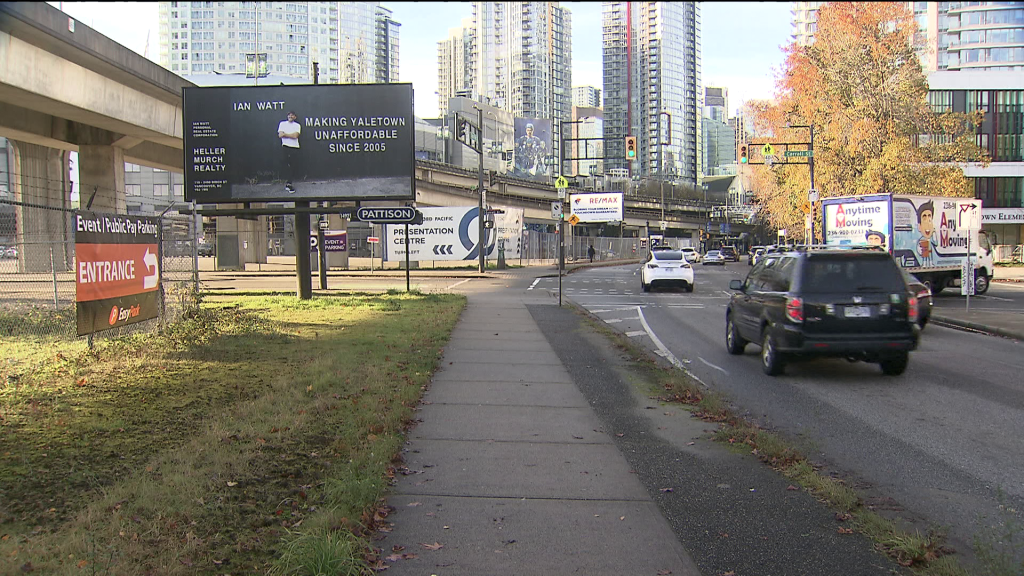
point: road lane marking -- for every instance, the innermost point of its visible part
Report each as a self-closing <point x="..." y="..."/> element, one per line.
<point x="613" y="320"/>
<point x="713" y="366"/>
<point x="657" y="342"/>
<point x="534" y="284"/>
<point x="636" y="333"/>
<point x="457" y="283"/>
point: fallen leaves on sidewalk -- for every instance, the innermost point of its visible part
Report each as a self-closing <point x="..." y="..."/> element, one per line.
<point x="434" y="546"/>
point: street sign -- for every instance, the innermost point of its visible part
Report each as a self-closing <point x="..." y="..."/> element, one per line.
<point x="664" y="225"/>
<point x="556" y="210"/>
<point x="768" y="150"/>
<point x="812" y="196"/>
<point x="324" y="224"/>
<point x="799" y="153"/>
<point x="561" y="182"/>
<point x="967" y="277"/>
<point x="643" y="243"/>
<point x="574" y="219"/>
<point x="389" y="215"/>
<point x="488" y="224"/>
<point x="372" y="239"/>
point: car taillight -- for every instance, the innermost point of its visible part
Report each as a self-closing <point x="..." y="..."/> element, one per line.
<point x="912" y="310"/>
<point x="795" y="309"/>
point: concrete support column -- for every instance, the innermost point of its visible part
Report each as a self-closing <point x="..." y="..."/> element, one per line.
<point x="101" y="170"/>
<point x="241" y="241"/>
<point x="44" y="237"/>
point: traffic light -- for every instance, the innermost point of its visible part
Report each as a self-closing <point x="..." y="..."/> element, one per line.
<point x="743" y="154"/>
<point x="630" y="147"/>
<point x="463" y="130"/>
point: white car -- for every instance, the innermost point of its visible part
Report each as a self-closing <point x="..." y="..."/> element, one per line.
<point x="690" y="254"/>
<point x="666" y="268"/>
<point x="714" y="257"/>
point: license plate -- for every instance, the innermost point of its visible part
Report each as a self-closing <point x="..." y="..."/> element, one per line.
<point x="858" y="311"/>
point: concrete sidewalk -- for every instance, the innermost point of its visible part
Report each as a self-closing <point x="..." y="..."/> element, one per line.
<point x="509" y="470"/>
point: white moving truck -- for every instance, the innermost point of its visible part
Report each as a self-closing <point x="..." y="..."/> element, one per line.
<point x="929" y="236"/>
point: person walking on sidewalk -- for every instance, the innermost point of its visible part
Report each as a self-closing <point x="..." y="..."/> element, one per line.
<point x="590" y="253"/>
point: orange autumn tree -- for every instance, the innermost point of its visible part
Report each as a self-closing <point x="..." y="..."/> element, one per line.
<point x="862" y="87"/>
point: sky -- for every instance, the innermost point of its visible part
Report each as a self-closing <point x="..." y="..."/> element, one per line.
<point x="741" y="42"/>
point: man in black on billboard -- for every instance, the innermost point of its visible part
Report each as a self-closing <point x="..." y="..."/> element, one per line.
<point x="529" y="153"/>
<point x="288" y="131"/>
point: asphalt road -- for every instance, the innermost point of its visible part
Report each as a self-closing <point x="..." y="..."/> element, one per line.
<point x="938" y="444"/>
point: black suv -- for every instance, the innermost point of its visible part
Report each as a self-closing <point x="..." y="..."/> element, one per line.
<point x="848" y="303"/>
<point x="730" y="253"/>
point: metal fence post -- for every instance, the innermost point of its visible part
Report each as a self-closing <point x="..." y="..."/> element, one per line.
<point x="53" y="272"/>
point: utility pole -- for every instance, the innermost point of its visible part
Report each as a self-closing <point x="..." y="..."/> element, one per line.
<point x="810" y="162"/>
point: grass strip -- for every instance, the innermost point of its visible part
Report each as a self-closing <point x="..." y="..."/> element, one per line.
<point x="258" y="435"/>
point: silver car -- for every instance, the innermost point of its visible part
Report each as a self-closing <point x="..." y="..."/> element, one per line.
<point x="714" y="257"/>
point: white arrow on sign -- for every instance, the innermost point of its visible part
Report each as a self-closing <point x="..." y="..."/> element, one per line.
<point x="149" y="282"/>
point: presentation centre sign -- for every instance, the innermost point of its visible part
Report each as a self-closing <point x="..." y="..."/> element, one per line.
<point x="117" y="270"/>
<point x="299" y="142"/>
<point x="451" y="233"/>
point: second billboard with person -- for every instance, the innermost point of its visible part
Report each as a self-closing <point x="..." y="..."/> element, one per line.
<point x="532" y="154"/>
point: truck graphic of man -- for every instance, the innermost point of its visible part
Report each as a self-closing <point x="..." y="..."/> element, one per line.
<point x="926" y="226"/>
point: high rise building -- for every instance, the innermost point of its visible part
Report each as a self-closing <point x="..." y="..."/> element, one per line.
<point x="805" y="22"/>
<point x="953" y="35"/>
<point x="519" y="60"/>
<point x="454" y="77"/>
<point x="386" y="46"/>
<point x="719" y="148"/>
<point x="586" y="96"/>
<point x="971" y="35"/>
<point x="652" y="87"/>
<point x="587" y="148"/>
<point x="716" y="104"/>
<point x="353" y="42"/>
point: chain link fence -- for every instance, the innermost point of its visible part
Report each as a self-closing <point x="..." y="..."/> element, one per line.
<point x="37" y="262"/>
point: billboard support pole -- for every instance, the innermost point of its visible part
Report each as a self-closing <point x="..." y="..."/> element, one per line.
<point x="480" y="188"/>
<point x="407" y="257"/>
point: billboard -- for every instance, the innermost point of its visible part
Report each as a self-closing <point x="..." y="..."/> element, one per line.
<point x="451" y="233"/>
<point x="933" y="231"/>
<point x="602" y="207"/>
<point x="532" y="155"/>
<point x="862" y="222"/>
<point x="117" y="270"/>
<point x="288" y="143"/>
<point x="334" y="241"/>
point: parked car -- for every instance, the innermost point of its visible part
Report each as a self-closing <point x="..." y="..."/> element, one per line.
<point x="753" y="254"/>
<point x="849" y="303"/>
<point x="713" y="257"/>
<point x="690" y="253"/>
<point x="666" y="268"/>
<point x="924" y="298"/>
<point x="11" y="252"/>
<point x="205" y="249"/>
<point x="730" y="253"/>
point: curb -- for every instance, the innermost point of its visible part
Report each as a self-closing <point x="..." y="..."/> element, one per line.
<point x="958" y="324"/>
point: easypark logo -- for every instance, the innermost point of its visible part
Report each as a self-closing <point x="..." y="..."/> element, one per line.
<point x="119" y="314"/>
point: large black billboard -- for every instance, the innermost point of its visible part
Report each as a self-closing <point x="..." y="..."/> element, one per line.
<point x="283" y="143"/>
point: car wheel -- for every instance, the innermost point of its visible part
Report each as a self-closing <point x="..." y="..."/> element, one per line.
<point x="981" y="283"/>
<point x="772" y="361"/>
<point x="734" y="343"/>
<point x="645" y="287"/>
<point x="689" y="287"/>
<point x="896" y="364"/>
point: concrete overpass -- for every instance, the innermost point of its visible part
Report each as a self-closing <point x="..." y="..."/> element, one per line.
<point x="66" y="87"/>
